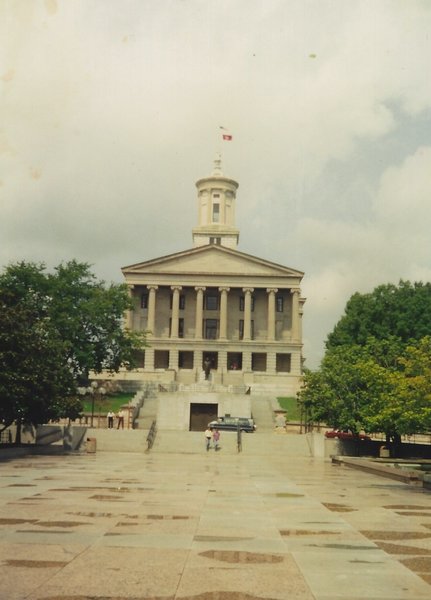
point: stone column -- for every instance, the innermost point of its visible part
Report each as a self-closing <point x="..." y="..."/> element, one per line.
<point x="271" y="313"/>
<point x="149" y="359"/>
<point x="223" y="209"/>
<point x="223" y="312"/>
<point x="197" y="364"/>
<point x="301" y="313"/>
<point x="199" y="311"/>
<point x="295" y="364"/>
<point x="271" y="361"/>
<point x="129" y="313"/>
<point x="151" y="318"/>
<point x="295" y="314"/>
<point x="247" y="313"/>
<point x="173" y="359"/>
<point x="175" y="316"/>
<point x="246" y="362"/>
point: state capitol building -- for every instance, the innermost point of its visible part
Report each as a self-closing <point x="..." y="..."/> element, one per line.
<point x="215" y="306"/>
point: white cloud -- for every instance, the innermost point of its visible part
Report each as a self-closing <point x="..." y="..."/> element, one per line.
<point x="111" y="113"/>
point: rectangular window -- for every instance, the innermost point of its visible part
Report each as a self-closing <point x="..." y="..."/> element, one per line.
<point x="185" y="359"/>
<point x="216" y="212"/>
<point x="211" y="301"/>
<point x="282" y="363"/>
<point x="234" y="361"/>
<point x="144" y="300"/>
<point x="211" y="326"/>
<point x="279" y="303"/>
<point x="215" y="240"/>
<point x="161" y="359"/>
<point x="139" y="358"/>
<point x="258" y="361"/>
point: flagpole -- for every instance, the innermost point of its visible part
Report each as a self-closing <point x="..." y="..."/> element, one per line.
<point x="224" y="136"/>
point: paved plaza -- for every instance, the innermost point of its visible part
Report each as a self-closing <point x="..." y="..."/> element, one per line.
<point x="208" y="526"/>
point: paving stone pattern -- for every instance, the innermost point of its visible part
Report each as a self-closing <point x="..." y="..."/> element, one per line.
<point x="208" y="526"/>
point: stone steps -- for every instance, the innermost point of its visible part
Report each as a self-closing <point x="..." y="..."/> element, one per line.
<point x="258" y="444"/>
<point x="147" y="413"/>
<point x="263" y="413"/>
<point x="193" y="442"/>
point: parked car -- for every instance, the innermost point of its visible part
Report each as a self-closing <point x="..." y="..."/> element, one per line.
<point x="346" y="435"/>
<point x="231" y="424"/>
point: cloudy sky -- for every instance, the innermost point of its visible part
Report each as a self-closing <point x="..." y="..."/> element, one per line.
<point x="110" y="111"/>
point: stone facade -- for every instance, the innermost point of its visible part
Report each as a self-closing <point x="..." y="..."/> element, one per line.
<point x="214" y="303"/>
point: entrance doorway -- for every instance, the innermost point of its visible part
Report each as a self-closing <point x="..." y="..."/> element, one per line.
<point x="201" y="415"/>
<point x="212" y="357"/>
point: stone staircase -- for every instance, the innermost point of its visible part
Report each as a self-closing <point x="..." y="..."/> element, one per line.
<point x="147" y="413"/>
<point x="255" y="444"/>
<point x="265" y="441"/>
<point x="262" y="409"/>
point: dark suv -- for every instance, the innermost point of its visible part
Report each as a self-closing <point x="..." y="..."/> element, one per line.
<point x="231" y="424"/>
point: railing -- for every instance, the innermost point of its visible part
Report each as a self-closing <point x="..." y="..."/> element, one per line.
<point x="239" y="439"/>
<point x="151" y="435"/>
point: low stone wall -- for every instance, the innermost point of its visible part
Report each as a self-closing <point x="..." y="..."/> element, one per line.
<point x="336" y="447"/>
<point x="409" y="476"/>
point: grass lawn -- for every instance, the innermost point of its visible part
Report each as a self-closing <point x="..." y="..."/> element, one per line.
<point x="106" y="403"/>
<point x="290" y="405"/>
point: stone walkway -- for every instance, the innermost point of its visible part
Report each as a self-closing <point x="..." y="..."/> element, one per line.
<point x="208" y="526"/>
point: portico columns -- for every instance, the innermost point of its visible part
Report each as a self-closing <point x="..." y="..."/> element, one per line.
<point x="295" y="314"/>
<point x="130" y="311"/>
<point x="247" y="312"/>
<point x="175" y="310"/>
<point x="271" y="313"/>
<point x="199" y="311"/>
<point x="223" y="312"/>
<point x="151" y="318"/>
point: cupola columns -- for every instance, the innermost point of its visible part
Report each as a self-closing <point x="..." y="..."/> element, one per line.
<point x="216" y="210"/>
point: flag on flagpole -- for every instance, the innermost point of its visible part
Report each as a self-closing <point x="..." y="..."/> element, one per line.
<point x="226" y="136"/>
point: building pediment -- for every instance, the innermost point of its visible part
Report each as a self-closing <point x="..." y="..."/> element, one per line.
<point x="214" y="260"/>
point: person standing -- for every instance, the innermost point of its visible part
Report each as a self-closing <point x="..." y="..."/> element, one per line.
<point x="216" y="439"/>
<point x="120" y="419"/>
<point x="110" y="419"/>
<point x="207" y="368"/>
<point x="208" y="437"/>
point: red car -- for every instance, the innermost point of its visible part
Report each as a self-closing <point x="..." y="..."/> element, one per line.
<point x="346" y="435"/>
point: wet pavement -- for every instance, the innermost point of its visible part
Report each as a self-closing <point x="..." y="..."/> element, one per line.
<point x="208" y="526"/>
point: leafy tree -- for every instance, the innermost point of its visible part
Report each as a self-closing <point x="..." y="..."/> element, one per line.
<point x="389" y="311"/>
<point x="89" y="315"/>
<point x="339" y="392"/>
<point x="376" y="371"/>
<point x="34" y="377"/>
<point x="374" y="388"/>
<point x="54" y="329"/>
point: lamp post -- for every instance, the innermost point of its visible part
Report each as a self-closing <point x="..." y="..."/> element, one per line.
<point x="93" y="390"/>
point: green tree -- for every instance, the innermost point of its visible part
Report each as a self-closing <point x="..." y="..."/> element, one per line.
<point x="54" y="329"/>
<point x="402" y="312"/>
<point x="338" y="392"/>
<point x="89" y="314"/>
<point x="357" y="387"/>
<point x="34" y="377"/>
